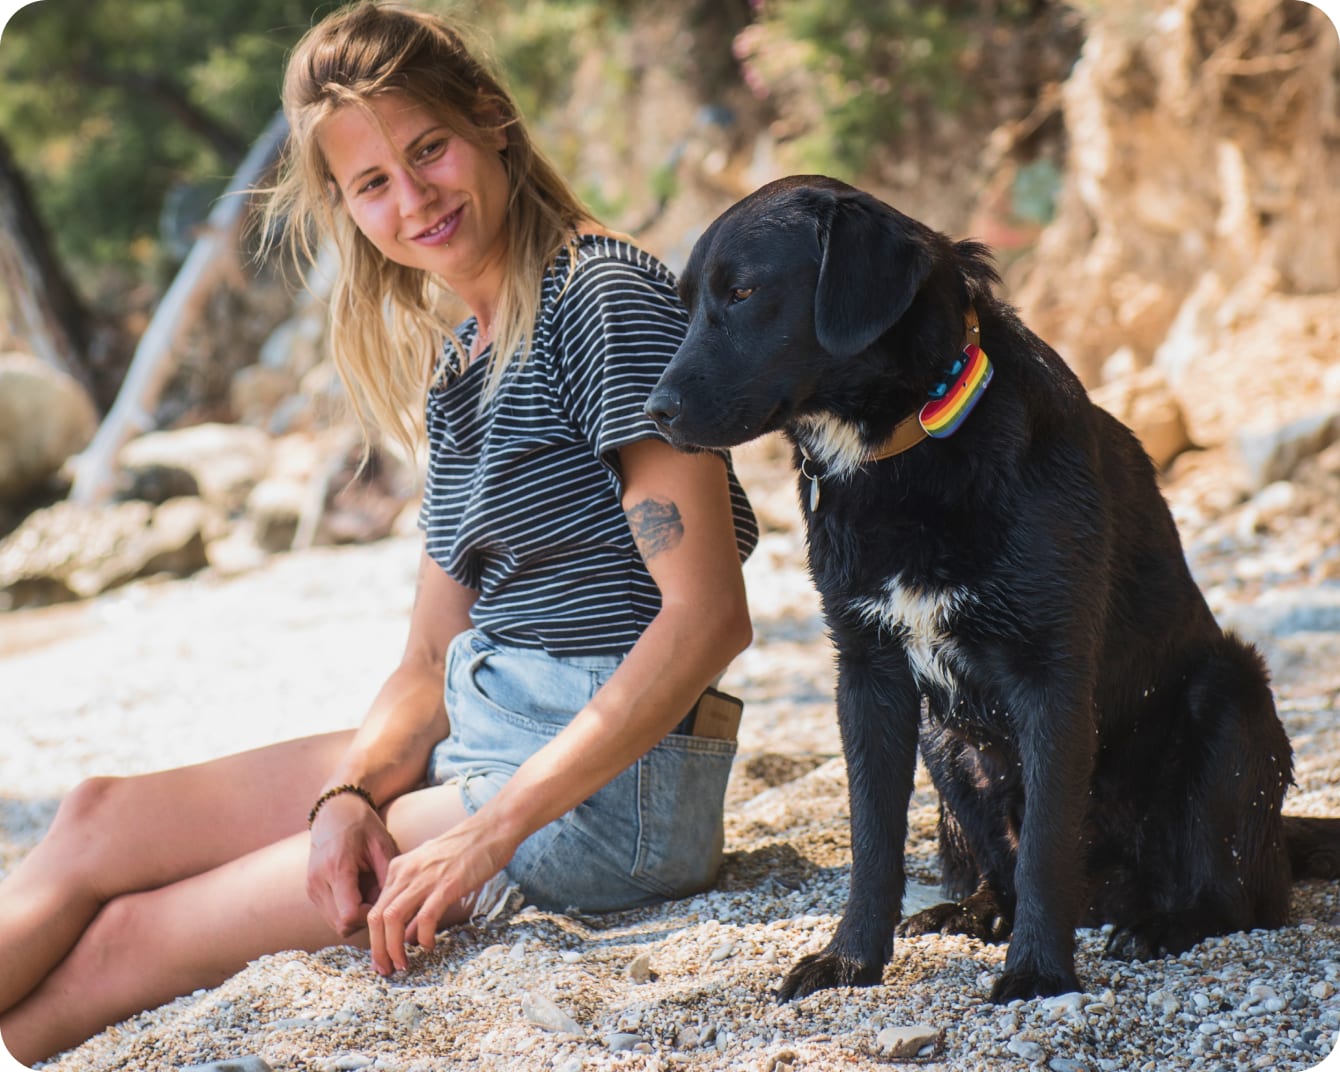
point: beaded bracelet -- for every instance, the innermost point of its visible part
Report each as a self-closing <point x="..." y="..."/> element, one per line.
<point x="330" y="794"/>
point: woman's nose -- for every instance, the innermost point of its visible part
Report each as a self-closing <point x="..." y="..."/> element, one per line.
<point x="414" y="192"/>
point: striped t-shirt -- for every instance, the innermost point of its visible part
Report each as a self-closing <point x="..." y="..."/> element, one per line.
<point x="522" y="500"/>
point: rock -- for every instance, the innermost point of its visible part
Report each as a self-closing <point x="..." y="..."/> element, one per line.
<point x="1028" y="1050"/>
<point x="639" y="969"/>
<point x="1272" y="454"/>
<point x="276" y="506"/>
<point x="539" y="1010"/>
<point x="345" y="1062"/>
<point x="45" y="418"/>
<point x="71" y="551"/>
<point x="257" y="392"/>
<point x="1066" y="1064"/>
<point x="1144" y="402"/>
<point x="156" y="483"/>
<point x="408" y="1014"/>
<point x="1282" y="612"/>
<point x="232" y="1064"/>
<point x="907" y="1041"/>
<point x="1063" y="1005"/>
<point x="226" y="460"/>
<point x="620" y="1041"/>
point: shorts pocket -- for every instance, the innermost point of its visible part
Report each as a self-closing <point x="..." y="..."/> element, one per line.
<point x="681" y="788"/>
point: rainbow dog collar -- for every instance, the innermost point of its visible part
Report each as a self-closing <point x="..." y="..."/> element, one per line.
<point x="950" y="404"/>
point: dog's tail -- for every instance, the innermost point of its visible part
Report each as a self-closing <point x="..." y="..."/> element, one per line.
<point x="1313" y="845"/>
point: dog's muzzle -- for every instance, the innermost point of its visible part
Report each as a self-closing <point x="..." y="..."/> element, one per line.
<point x="665" y="405"/>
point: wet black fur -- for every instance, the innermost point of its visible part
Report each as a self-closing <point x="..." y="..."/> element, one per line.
<point x="1103" y="751"/>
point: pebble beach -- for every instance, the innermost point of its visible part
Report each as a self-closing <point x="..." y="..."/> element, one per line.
<point x="159" y="674"/>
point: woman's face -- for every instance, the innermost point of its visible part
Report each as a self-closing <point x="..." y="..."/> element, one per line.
<point x="423" y="195"/>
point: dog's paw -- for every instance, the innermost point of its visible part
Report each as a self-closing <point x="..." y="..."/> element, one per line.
<point x="979" y="916"/>
<point x="820" y="971"/>
<point x="1153" y="937"/>
<point x="1023" y="983"/>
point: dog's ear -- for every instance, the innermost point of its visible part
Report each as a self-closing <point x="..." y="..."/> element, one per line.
<point x="874" y="262"/>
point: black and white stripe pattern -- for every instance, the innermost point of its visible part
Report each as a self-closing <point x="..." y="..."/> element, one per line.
<point x="522" y="499"/>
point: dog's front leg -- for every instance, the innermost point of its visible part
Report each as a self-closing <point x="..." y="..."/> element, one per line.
<point x="878" y="710"/>
<point x="1055" y="734"/>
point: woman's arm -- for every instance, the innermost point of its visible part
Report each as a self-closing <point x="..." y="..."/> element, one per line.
<point x="678" y="506"/>
<point x="387" y="756"/>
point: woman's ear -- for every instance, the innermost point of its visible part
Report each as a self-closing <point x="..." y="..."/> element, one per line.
<point x="874" y="262"/>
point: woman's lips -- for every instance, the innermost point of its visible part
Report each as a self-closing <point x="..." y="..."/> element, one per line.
<point x="441" y="231"/>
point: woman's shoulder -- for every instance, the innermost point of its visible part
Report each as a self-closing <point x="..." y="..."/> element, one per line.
<point x="605" y="261"/>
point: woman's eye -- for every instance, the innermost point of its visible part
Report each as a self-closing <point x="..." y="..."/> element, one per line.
<point x="371" y="185"/>
<point x="739" y="294"/>
<point x="433" y="148"/>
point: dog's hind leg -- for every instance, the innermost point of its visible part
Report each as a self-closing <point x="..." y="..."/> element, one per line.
<point x="1215" y="857"/>
<point x="979" y="808"/>
<point x="878" y="710"/>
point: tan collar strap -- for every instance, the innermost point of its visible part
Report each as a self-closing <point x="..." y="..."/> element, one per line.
<point x="908" y="432"/>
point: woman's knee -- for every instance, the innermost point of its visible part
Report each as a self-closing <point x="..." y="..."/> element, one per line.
<point x="81" y="827"/>
<point x="86" y="803"/>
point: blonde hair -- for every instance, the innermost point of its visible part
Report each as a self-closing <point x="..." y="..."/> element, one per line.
<point x="386" y="330"/>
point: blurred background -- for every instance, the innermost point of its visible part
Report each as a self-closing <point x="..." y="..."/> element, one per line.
<point x="1157" y="178"/>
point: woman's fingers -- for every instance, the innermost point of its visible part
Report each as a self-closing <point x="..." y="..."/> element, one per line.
<point x="417" y="889"/>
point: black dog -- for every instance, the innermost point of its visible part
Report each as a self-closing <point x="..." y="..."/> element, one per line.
<point x="1102" y="750"/>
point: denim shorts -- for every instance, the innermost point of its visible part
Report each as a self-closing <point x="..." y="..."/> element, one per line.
<point x="652" y="833"/>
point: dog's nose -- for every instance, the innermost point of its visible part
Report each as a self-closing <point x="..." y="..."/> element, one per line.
<point x="664" y="407"/>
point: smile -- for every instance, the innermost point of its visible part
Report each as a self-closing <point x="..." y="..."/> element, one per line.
<point x="441" y="231"/>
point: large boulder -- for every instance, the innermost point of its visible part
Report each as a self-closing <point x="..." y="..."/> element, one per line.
<point x="226" y="460"/>
<point x="1142" y="401"/>
<point x="45" y="417"/>
<point x="73" y="551"/>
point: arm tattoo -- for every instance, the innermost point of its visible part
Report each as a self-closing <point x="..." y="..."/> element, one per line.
<point x="656" y="527"/>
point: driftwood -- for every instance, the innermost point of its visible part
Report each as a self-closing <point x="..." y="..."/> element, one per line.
<point x="213" y="258"/>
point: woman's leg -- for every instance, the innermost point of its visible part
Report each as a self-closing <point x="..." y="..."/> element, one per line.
<point x="145" y="948"/>
<point x="113" y="836"/>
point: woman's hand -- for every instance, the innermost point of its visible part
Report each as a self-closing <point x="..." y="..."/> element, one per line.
<point x="424" y="884"/>
<point x="346" y="870"/>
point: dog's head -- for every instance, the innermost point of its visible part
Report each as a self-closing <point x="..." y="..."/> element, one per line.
<point x="799" y="277"/>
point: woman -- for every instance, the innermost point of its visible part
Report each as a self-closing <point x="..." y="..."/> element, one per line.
<point x="578" y="590"/>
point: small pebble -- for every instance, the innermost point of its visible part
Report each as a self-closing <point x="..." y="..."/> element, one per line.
<point x="347" y="1062"/>
<point x="622" y="1040"/>
<point x="541" y="1011"/>
<point x="1028" y="1050"/>
<point x="639" y="968"/>
<point x="906" y="1041"/>
<point x="1063" y="1005"/>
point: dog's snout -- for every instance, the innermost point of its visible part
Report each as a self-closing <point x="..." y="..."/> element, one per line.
<point x="664" y="406"/>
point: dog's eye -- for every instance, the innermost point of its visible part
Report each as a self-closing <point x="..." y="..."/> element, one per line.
<point x="739" y="294"/>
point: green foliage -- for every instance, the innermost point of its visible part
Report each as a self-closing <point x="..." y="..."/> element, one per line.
<point x="852" y="74"/>
<point x="118" y="108"/>
<point x="109" y="104"/>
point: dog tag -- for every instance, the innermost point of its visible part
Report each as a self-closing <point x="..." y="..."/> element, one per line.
<point x="814" y="493"/>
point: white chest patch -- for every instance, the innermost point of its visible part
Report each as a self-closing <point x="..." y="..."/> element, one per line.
<point x="833" y="443"/>
<point x="922" y="619"/>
